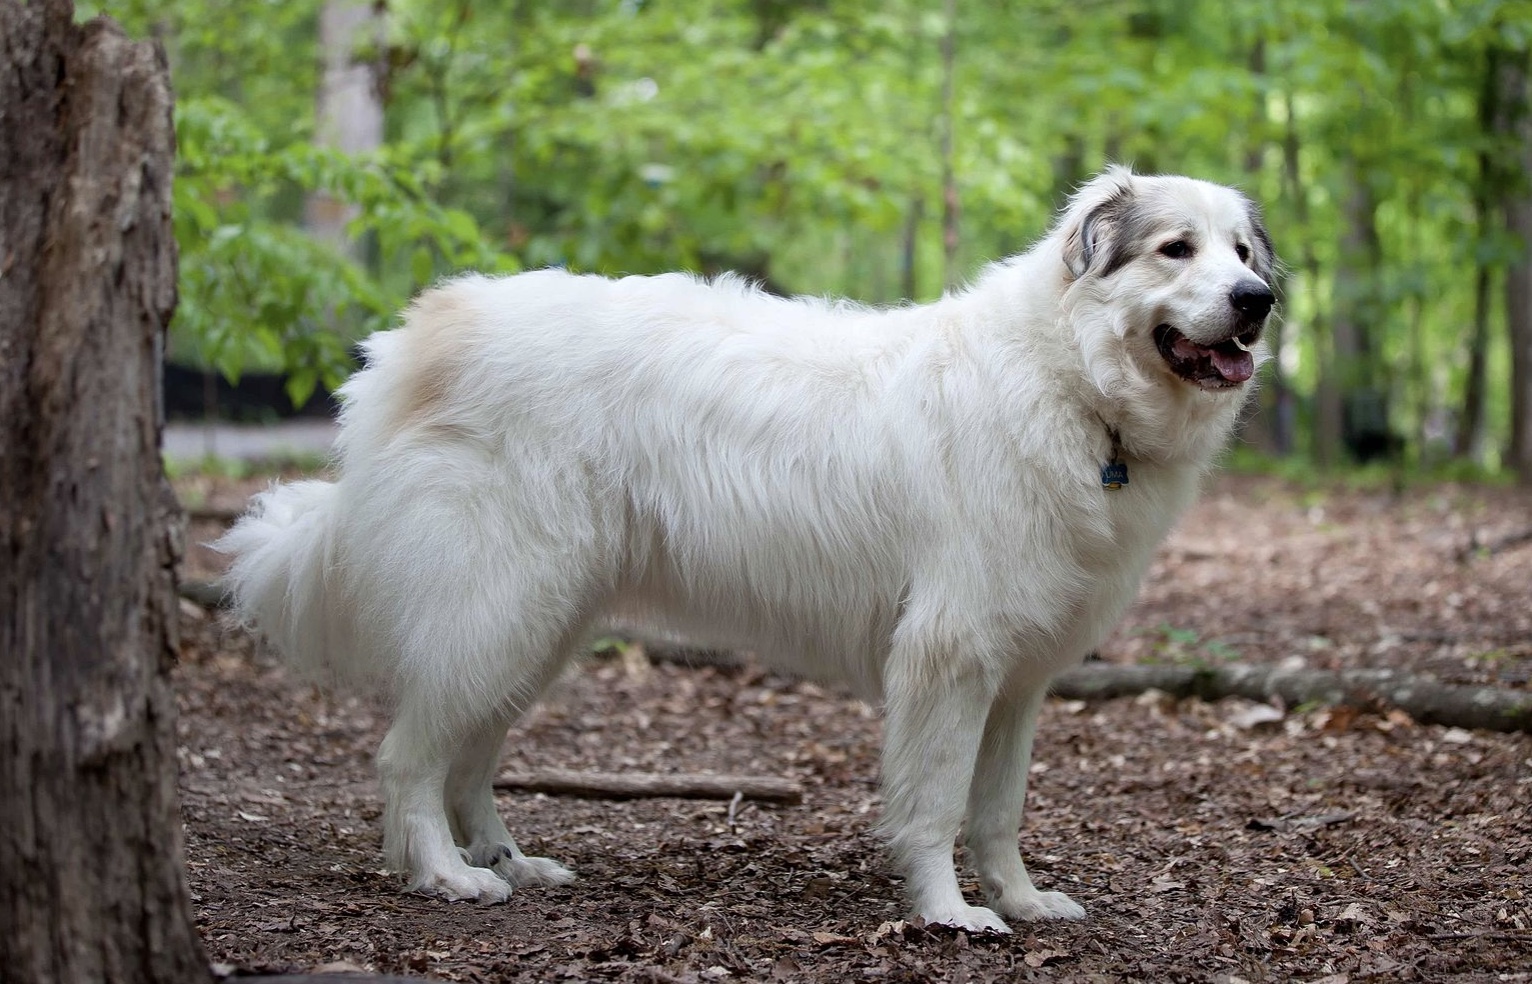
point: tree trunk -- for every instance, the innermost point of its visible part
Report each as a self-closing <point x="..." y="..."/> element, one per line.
<point x="948" y="124"/>
<point x="91" y="873"/>
<point x="1267" y="422"/>
<point x="1489" y="184"/>
<point x="1326" y="431"/>
<point x="1353" y="405"/>
<point x="909" y="258"/>
<point x="349" y="112"/>
<point x="1518" y="289"/>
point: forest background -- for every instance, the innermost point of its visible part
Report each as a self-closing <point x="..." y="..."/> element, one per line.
<point x="334" y="157"/>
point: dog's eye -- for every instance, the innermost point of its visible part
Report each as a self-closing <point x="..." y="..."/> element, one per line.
<point x="1176" y="249"/>
<point x="1242" y="251"/>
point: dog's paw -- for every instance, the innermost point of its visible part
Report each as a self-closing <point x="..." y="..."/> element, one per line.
<point x="517" y="869"/>
<point x="1040" y="905"/>
<point x="523" y="871"/>
<point x="466" y="884"/>
<point x="973" y="918"/>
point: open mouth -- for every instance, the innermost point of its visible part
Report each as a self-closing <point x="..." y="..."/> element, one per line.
<point x="1228" y="363"/>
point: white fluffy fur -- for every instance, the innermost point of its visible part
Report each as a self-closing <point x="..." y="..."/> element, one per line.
<point x="907" y="501"/>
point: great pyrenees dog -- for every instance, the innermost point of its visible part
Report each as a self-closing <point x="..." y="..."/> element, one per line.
<point x="940" y="506"/>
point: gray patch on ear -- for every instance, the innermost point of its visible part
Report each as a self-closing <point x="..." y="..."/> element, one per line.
<point x="1263" y="257"/>
<point x="1130" y="233"/>
<point x="1098" y="239"/>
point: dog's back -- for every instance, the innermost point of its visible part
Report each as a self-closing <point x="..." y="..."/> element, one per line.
<point x="905" y="500"/>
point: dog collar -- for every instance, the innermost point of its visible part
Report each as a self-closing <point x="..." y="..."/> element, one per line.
<point x="1114" y="474"/>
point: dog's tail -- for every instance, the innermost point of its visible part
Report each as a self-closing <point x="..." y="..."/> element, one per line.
<point x="286" y="581"/>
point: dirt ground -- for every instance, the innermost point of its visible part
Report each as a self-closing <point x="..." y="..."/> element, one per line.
<point x="1207" y="843"/>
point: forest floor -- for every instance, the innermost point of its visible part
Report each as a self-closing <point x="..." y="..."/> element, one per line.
<point x="1207" y="843"/>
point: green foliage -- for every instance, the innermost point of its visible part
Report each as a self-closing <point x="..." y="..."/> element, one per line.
<point x="256" y="290"/>
<point x="800" y="140"/>
<point x="1377" y="476"/>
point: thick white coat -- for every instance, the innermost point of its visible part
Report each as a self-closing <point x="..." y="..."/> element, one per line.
<point x="907" y="501"/>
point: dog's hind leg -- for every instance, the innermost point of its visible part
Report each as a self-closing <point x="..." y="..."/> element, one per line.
<point x="478" y="664"/>
<point x="484" y="587"/>
<point x="935" y="708"/>
<point x="476" y="822"/>
<point x="995" y="803"/>
<point x="413" y="765"/>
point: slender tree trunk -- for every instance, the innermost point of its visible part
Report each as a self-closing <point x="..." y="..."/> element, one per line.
<point x="1325" y="448"/>
<point x="1470" y="436"/>
<point x="1518" y="292"/>
<point x="948" y="123"/>
<point x="1492" y="123"/>
<point x="349" y="111"/>
<point x="1267" y="424"/>
<point x="91" y="872"/>
<point x="909" y="284"/>
<point x="1068" y="171"/>
<point x="1354" y="408"/>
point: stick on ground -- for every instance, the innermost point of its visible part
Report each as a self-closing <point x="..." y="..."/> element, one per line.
<point x="643" y="785"/>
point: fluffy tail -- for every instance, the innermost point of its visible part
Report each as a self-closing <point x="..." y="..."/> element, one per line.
<point x="285" y="581"/>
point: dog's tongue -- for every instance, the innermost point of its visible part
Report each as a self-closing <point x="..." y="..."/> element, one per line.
<point x="1233" y="364"/>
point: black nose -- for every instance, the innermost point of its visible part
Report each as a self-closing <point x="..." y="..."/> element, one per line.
<point x="1252" y="299"/>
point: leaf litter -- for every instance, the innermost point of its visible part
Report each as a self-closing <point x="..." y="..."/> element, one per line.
<point x="1221" y="842"/>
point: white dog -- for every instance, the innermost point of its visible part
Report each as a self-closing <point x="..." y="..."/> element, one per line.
<point x="940" y="506"/>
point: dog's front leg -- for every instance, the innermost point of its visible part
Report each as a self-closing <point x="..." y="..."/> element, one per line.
<point x="935" y="709"/>
<point x="995" y="803"/>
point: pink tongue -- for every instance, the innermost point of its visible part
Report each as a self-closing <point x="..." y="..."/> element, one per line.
<point x="1232" y="364"/>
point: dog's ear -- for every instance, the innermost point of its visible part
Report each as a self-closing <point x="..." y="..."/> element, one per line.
<point x="1263" y="258"/>
<point x="1094" y="220"/>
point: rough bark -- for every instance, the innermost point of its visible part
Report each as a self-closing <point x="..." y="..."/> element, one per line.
<point x="1424" y="699"/>
<point x="91" y="872"/>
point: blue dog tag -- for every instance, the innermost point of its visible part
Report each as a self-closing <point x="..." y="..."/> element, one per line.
<point x="1114" y="475"/>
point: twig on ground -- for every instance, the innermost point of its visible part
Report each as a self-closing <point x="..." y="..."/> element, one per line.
<point x="644" y="785"/>
<point x="734" y="808"/>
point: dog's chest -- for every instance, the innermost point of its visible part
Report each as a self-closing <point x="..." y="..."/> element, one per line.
<point x="1137" y="518"/>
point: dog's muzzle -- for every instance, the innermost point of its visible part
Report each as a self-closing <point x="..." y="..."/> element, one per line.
<point x="1229" y="361"/>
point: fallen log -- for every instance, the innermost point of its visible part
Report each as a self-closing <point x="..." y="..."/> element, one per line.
<point x="648" y="785"/>
<point x="1476" y="547"/>
<point x="1423" y="698"/>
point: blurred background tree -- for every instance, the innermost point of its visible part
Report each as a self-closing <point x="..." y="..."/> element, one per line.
<point x="337" y="155"/>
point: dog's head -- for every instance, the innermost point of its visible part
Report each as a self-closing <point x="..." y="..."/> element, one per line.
<point x="1179" y="270"/>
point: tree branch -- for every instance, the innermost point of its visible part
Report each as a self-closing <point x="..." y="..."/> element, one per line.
<point x="1423" y="698"/>
<point x="646" y="785"/>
